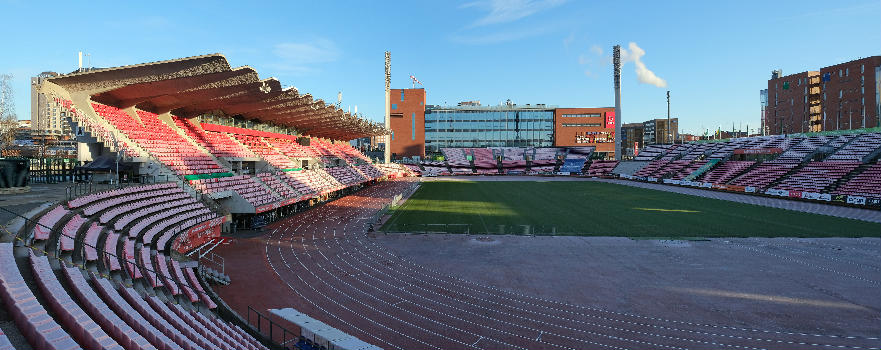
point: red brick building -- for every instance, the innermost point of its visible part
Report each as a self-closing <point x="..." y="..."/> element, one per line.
<point x="585" y="127"/>
<point x="840" y="97"/>
<point x="794" y="104"/>
<point x="850" y="94"/>
<point x="407" y="118"/>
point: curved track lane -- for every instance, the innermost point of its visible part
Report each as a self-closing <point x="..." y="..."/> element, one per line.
<point x="330" y="266"/>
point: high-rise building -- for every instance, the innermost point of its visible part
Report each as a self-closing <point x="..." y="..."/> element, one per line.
<point x="46" y="118"/>
<point x="839" y="97"/>
<point x="763" y="101"/>
<point x="631" y="138"/>
<point x="407" y="121"/>
<point x="655" y="131"/>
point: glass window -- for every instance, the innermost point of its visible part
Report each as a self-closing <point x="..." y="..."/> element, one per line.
<point x="581" y="124"/>
<point x="402" y="95"/>
<point x="394" y="106"/>
<point x="490" y="128"/>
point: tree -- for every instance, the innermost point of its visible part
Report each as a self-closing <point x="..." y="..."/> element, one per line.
<point x="8" y="118"/>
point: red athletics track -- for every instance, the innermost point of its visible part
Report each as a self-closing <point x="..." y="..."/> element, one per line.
<point x="322" y="262"/>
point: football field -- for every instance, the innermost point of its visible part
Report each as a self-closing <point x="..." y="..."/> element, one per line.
<point x="602" y="209"/>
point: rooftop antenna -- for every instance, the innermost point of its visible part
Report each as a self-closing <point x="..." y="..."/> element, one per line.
<point x="415" y="81"/>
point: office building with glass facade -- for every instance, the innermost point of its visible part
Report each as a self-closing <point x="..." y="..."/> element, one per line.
<point x="419" y="128"/>
<point x="488" y="126"/>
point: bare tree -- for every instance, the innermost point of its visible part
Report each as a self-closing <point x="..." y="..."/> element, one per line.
<point x="8" y="118"/>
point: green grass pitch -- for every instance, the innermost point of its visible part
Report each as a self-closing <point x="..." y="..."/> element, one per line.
<point x="603" y="209"/>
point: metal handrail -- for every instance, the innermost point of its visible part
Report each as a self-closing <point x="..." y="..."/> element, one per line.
<point x="284" y="342"/>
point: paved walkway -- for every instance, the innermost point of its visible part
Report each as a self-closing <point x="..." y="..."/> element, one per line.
<point x="807" y="207"/>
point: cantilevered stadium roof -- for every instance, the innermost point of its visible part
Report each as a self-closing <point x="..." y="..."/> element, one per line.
<point x="191" y="86"/>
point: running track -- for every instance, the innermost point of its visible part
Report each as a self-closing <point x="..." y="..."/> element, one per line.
<point x="321" y="262"/>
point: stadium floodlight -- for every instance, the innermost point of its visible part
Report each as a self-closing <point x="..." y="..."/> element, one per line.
<point x="616" y="75"/>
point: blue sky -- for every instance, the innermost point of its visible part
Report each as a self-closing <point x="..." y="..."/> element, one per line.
<point x="714" y="56"/>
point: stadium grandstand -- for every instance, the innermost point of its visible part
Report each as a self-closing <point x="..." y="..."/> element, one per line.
<point x="839" y="167"/>
<point x="237" y="215"/>
<point x="835" y="167"/>
<point x="206" y="148"/>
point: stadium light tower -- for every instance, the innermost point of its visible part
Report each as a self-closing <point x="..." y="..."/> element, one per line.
<point x="616" y="61"/>
<point x="387" y="154"/>
<point x="669" y="128"/>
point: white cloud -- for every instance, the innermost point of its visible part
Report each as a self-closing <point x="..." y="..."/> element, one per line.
<point x="596" y="49"/>
<point x="152" y="22"/>
<point x="503" y="11"/>
<point x="588" y="73"/>
<point x="568" y="40"/>
<point x="300" y="57"/>
<point x="643" y="74"/>
<point x="315" y="51"/>
<point x="500" y="37"/>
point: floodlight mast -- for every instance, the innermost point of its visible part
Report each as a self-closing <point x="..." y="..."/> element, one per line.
<point x="388" y="75"/>
<point x="616" y="61"/>
<point x="669" y="128"/>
